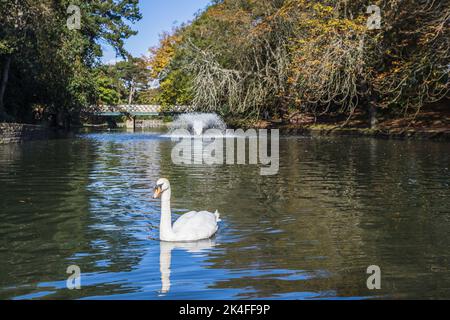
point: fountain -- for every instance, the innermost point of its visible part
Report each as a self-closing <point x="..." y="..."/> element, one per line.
<point x="198" y="123"/>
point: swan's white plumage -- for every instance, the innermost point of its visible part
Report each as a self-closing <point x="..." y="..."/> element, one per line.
<point x="191" y="226"/>
<point x="198" y="225"/>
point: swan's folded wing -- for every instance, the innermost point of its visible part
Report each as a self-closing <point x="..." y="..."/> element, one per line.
<point x="183" y="221"/>
<point x="196" y="222"/>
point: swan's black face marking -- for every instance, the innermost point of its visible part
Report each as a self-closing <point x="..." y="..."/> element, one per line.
<point x="162" y="185"/>
<point x="157" y="191"/>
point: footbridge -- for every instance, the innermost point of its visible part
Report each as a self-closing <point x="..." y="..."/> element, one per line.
<point x="133" y="111"/>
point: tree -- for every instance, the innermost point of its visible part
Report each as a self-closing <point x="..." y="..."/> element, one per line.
<point x="249" y="57"/>
<point x="50" y="64"/>
<point x="413" y="54"/>
<point x="166" y="64"/>
<point x="12" y="28"/>
<point x="106" y="92"/>
<point x="135" y="76"/>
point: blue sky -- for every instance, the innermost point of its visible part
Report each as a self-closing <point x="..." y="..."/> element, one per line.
<point x="158" y="16"/>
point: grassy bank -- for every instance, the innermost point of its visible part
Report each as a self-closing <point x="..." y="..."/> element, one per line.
<point x="432" y="122"/>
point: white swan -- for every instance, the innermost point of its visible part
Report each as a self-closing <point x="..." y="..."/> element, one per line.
<point x="191" y="226"/>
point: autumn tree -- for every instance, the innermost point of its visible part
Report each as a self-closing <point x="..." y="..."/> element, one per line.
<point x="249" y="58"/>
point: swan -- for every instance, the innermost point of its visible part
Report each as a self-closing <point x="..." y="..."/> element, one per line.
<point x="191" y="226"/>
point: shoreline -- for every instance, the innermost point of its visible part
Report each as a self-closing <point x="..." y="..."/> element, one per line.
<point x="436" y="130"/>
<point x="408" y="134"/>
<point x="330" y="131"/>
<point x="432" y="123"/>
<point x="18" y="133"/>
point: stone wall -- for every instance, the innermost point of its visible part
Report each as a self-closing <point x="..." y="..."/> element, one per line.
<point x="149" y="124"/>
<point x="16" y="133"/>
<point x="142" y="124"/>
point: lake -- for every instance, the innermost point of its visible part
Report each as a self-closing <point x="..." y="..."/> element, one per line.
<point x="337" y="206"/>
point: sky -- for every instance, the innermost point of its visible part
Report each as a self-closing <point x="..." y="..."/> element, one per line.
<point x="158" y="16"/>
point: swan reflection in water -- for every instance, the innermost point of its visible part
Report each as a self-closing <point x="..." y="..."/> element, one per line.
<point x="165" y="257"/>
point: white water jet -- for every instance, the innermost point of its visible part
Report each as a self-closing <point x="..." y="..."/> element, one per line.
<point x="198" y="127"/>
<point x="198" y="123"/>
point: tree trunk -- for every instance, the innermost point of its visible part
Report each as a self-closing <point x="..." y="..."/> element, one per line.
<point x="130" y="97"/>
<point x="4" y="82"/>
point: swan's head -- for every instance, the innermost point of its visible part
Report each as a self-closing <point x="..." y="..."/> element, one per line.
<point x="162" y="185"/>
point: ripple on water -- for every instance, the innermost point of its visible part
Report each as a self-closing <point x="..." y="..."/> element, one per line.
<point x="337" y="206"/>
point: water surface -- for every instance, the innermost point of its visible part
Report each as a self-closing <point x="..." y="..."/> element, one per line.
<point x="337" y="206"/>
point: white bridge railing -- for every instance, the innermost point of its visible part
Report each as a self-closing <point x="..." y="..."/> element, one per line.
<point x="138" y="109"/>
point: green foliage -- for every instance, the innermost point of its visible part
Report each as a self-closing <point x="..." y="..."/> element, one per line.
<point x="52" y="65"/>
<point x="175" y="89"/>
<point x="130" y="79"/>
<point x="166" y="65"/>
<point x="106" y="91"/>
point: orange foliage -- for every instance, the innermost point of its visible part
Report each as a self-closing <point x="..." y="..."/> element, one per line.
<point x="162" y="55"/>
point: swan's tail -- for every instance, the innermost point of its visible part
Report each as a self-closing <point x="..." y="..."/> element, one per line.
<point x="217" y="214"/>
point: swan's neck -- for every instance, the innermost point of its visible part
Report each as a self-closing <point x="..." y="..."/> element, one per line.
<point x="165" y="228"/>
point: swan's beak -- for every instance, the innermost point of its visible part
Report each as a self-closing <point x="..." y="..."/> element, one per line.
<point x="157" y="192"/>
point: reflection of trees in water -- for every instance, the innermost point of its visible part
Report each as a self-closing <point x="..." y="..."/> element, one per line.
<point x="410" y="216"/>
<point x="336" y="207"/>
<point x="44" y="209"/>
<point x="120" y="192"/>
<point x="81" y="205"/>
